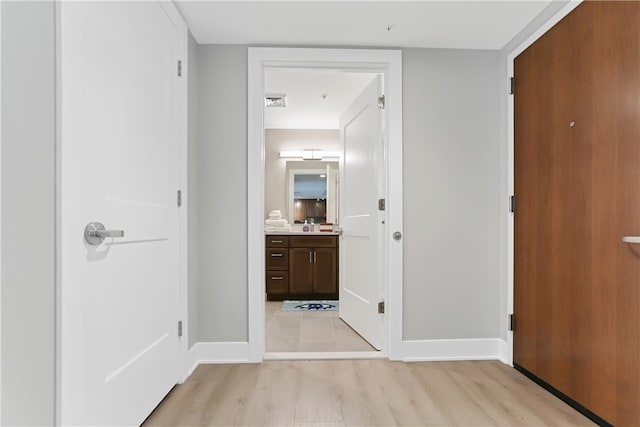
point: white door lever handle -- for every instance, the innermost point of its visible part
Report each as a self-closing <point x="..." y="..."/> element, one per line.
<point x="631" y="239"/>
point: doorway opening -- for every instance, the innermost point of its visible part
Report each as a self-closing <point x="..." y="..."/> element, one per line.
<point x="384" y="263"/>
<point x="304" y="155"/>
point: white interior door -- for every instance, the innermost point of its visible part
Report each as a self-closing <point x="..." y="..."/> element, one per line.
<point x="118" y="343"/>
<point x="360" y="261"/>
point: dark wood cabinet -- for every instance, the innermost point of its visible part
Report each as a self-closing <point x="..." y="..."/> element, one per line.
<point x="301" y="271"/>
<point x="325" y="270"/>
<point x="312" y="267"/>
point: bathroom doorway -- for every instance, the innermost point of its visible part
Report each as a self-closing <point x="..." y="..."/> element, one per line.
<point x="279" y="218"/>
<point x="303" y="156"/>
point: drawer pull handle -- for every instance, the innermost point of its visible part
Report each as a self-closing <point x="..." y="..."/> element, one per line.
<point x="276" y="255"/>
<point x="315" y="254"/>
<point x="276" y="241"/>
<point x="310" y="256"/>
<point x="277" y="278"/>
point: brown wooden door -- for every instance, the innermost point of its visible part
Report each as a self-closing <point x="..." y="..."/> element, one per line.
<point x="577" y="187"/>
<point x="300" y="270"/>
<point x="325" y="271"/>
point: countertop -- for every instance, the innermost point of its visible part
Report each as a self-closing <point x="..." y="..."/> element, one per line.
<point x="296" y="233"/>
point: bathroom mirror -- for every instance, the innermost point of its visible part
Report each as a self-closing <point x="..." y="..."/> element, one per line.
<point x="312" y="194"/>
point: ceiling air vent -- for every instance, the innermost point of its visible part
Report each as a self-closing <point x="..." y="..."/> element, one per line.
<point x="275" y="100"/>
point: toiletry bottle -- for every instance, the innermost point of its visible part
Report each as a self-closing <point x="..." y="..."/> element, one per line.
<point x="305" y="227"/>
<point x="312" y="226"/>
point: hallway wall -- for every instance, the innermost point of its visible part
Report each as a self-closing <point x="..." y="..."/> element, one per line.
<point x="452" y="194"/>
<point x="28" y="207"/>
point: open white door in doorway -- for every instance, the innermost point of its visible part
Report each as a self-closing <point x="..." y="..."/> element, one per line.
<point x="118" y="331"/>
<point x="360" y="257"/>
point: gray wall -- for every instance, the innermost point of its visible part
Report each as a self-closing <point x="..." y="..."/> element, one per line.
<point x="193" y="179"/>
<point x="222" y="194"/>
<point x="452" y="199"/>
<point x="275" y="168"/>
<point x="28" y="257"/>
<point x="451" y="193"/>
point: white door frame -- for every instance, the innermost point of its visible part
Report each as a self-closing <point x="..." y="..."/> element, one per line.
<point x="0" y="218"/>
<point x="387" y="62"/>
<point x="510" y="159"/>
<point x="183" y="212"/>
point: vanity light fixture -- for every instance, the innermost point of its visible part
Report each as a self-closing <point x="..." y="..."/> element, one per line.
<point x="310" y="154"/>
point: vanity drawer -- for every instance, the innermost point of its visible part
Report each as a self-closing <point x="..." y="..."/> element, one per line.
<point x="277" y="259"/>
<point x="277" y="241"/>
<point x="313" y="241"/>
<point x="277" y="282"/>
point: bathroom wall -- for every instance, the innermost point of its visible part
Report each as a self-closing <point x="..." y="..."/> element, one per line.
<point x="277" y="140"/>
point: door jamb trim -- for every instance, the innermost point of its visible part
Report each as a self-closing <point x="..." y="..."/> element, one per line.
<point x="388" y="62"/>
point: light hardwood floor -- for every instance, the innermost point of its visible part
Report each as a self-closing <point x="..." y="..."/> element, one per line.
<point x="362" y="393"/>
<point x="309" y="331"/>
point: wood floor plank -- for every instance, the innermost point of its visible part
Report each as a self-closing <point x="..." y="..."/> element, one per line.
<point x="319" y="398"/>
<point x="276" y="383"/>
<point x="410" y="404"/>
<point x="454" y="401"/>
<point x="341" y="393"/>
<point x="363" y="402"/>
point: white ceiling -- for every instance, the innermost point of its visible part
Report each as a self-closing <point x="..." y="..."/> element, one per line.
<point x="306" y="108"/>
<point x="473" y="24"/>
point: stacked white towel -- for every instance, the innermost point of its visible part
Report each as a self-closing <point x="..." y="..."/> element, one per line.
<point x="276" y="223"/>
<point x="275" y="215"/>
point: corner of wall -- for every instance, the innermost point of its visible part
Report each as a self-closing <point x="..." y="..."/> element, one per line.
<point x="212" y="353"/>
<point x="192" y="189"/>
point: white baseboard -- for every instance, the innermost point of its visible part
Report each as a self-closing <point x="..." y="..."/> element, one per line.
<point x="465" y="349"/>
<point x="325" y="355"/>
<point x="413" y="351"/>
<point x="505" y="353"/>
<point x="203" y="353"/>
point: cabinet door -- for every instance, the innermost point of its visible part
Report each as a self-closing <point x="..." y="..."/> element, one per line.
<point x="325" y="271"/>
<point x="300" y="270"/>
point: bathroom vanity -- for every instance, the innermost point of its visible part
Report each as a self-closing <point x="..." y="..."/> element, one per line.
<point x="301" y="266"/>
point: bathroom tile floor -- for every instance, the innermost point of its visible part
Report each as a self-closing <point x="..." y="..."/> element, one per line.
<point x="309" y="331"/>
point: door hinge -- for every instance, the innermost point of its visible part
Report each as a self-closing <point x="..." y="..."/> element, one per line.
<point x="381" y="307"/>
<point x="512" y="204"/>
<point x="512" y="85"/>
<point x="180" y="328"/>
<point x="179" y="68"/>
<point x="179" y="198"/>
<point x="511" y="322"/>
<point x="381" y="102"/>
<point x="382" y="204"/>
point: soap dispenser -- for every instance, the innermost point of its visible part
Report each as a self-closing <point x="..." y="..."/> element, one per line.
<point x="305" y="227"/>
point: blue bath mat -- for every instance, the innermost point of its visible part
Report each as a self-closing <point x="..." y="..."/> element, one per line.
<point x="309" y="306"/>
